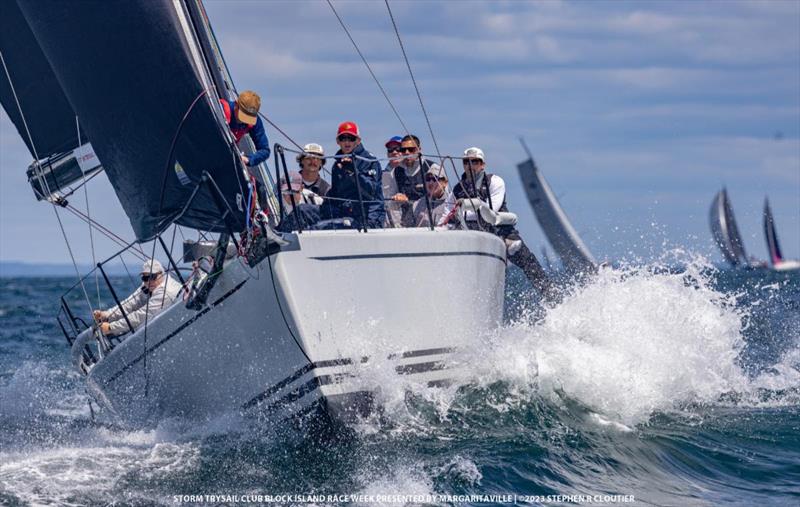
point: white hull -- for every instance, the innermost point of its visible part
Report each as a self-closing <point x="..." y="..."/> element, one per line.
<point x="402" y="299"/>
<point x="786" y="266"/>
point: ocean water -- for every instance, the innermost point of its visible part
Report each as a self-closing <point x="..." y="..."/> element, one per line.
<point x="648" y="386"/>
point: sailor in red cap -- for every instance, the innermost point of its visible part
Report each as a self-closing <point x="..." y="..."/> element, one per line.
<point x="355" y="179"/>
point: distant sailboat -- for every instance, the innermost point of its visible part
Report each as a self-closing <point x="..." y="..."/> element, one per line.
<point x="574" y="254"/>
<point x="726" y="233"/>
<point x="774" y="249"/>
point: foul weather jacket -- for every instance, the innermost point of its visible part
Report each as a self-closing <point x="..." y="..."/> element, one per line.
<point x="342" y="198"/>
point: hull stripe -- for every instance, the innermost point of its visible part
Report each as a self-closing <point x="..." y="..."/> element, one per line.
<point x="316" y="382"/>
<point x="412" y="254"/>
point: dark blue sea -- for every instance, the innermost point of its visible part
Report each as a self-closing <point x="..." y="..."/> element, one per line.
<point x="648" y="386"/>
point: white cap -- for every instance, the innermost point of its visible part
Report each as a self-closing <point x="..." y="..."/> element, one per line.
<point x="152" y="266"/>
<point x="436" y="170"/>
<point x="311" y="149"/>
<point x="474" y="153"/>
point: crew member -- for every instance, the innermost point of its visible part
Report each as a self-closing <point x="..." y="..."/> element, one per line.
<point x="394" y="212"/>
<point x="355" y="182"/>
<point x="410" y="177"/>
<point x="436" y="187"/>
<point x="157" y="292"/>
<point x="491" y="189"/>
<point x="311" y="161"/>
<point x="242" y="117"/>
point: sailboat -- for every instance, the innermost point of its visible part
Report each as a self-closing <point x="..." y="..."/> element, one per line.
<point x="726" y="232"/>
<point x="570" y="248"/>
<point x="284" y="322"/>
<point x="773" y="248"/>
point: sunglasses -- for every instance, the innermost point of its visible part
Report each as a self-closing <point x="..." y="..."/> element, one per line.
<point x="347" y="137"/>
<point x="472" y="161"/>
<point x="434" y="178"/>
<point x="410" y="149"/>
<point x="394" y="149"/>
<point x="150" y="277"/>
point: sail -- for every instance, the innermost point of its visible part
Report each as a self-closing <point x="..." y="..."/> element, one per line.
<point x="724" y="229"/>
<point x="47" y="112"/>
<point x="773" y="247"/>
<point x="135" y="75"/>
<point x="554" y="222"/>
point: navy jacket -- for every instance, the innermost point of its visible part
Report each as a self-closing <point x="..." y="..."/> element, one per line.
<point x="256" y="132"/>
<point x="343" y="186"/>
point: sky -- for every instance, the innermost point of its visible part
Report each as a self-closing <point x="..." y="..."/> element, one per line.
<point x="637" y="113"/>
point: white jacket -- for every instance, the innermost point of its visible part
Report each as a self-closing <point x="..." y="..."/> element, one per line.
<point x="141" y="305"/>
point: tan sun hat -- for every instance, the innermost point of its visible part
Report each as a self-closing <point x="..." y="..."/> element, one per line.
<point x="249" y="103"/>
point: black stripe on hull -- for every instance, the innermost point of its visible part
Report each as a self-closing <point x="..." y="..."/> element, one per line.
<point x="317" y="381"/>
<point x="411" y="254"/>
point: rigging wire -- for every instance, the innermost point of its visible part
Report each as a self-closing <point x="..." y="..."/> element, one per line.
<point x="88" y="213"/>
<point x="47" y="186"/>
<point x="413" y="79"/>
<point x="136" y="249"/>
<point x="363" y="59"/>
<point x="73" y="190"/>
<point x="419" y="96"/>
<point x="105" y="231"/>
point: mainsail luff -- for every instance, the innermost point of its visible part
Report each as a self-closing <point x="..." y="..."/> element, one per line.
<point x="130" y="74"/>
<point x="773" y="248"/>
<point x="575" y="256"/>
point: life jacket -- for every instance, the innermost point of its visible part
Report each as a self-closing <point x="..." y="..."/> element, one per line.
<point x="465" y="190"/>
<point x="412" y="186"/>
<point x="240" y="129"/>
<point x="319" y="187"/>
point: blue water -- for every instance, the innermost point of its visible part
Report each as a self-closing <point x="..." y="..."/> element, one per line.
<point x="678" y="388"/>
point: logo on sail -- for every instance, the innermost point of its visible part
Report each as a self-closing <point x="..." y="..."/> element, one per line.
<point x="182" y="177"/>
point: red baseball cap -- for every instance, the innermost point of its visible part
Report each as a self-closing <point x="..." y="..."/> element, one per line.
<point x="348" y="127"/>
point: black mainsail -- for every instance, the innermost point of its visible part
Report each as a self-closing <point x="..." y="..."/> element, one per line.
<point x="774" y="249"/>
<point x="135" y="75"/>
<point x="574" y="255"/>
<point x="48" y="114"/>
<point x="725" y="232"/>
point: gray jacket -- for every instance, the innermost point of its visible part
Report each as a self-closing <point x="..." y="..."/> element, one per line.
<point x="421" y="212"/>
<point x="140" y="304"/>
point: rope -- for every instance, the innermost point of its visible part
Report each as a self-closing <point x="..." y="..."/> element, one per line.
<point x="284" y="134"/>
<point x="363" y="59"/>
<point x="47" y="186"/>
